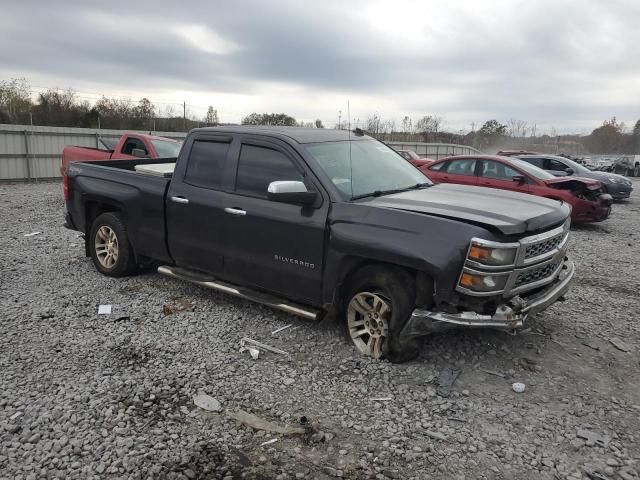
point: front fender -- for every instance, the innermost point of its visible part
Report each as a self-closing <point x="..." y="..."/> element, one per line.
<point x="426" y="243"/>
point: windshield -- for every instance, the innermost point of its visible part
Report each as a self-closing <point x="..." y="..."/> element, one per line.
<point x="360" y="167"/>
<point x="166" y="148"/>
<point x="532" y="169"/>
<point x="577" y="168"/>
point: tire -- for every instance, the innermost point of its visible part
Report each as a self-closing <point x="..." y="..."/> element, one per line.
<point x="109" y="246"/>
<point x="377" y="305"/>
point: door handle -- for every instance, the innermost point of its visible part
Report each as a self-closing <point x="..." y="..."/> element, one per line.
<point x="235" y="211"/>
<point x="179" y="199"/>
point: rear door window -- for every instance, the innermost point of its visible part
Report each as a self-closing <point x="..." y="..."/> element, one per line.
<point x="556" y="165"/>
<point x="498" y="171"/>
<point x="259" y="166"/>
<point x="462" y="167"/>
<point x="206" y="164"/>
<point x="538" y="162"/>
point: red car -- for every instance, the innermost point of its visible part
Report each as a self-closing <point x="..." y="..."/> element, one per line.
<point x="586" y="196"/>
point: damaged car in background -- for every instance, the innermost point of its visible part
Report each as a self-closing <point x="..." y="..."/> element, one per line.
<point x="588" y="198"/>
<point x="618" y="186"/>
<point x="316" y="222"/>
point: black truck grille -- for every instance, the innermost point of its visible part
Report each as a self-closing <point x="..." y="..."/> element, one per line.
<point x="545" y="246"/>
<point x="536" y="274"/>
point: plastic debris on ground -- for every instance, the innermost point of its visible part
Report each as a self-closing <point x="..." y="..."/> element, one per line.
<point x="278" y="330"/>
<point x="104" y="309"/>
<point x="518" y="387"/>
<point x="619" y="344"/>
<point x="207" y="402"/>
<point x="258" y="423"/>
<point x="446" y="378"/>
<point x="32" y="234"/>
<point x="269" y="442"/>
<point x="247" y="343"/>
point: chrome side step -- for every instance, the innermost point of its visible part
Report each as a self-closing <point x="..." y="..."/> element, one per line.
<point x="247" y="294"/>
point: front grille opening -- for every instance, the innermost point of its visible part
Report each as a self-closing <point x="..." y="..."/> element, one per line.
<point x="536" y="274"/>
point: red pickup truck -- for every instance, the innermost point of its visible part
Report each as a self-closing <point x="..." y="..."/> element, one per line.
<point x="130" y="146"/>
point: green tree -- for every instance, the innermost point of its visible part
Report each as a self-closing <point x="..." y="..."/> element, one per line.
<point x="281" y="119"/>
<point x="635" y="135"/>
<point x="15" y="100"/>
<point x="607" y="138"/>
<point x="212" y="116"/>
<point x="493" y="129"/>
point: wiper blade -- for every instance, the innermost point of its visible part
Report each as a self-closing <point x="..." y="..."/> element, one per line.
<point x="379" y="193"/>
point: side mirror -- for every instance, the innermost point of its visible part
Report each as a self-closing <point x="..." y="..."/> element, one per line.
<point x="290" y="191"/>
<point x="519" y="179"/>
<point x="570" y="171"/>
<point x="138" y="152"/>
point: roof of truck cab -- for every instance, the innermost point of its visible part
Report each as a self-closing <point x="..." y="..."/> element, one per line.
<point x="298" y="134"/>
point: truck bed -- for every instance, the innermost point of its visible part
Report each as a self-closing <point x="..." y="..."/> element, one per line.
<point x="141" y="195"/>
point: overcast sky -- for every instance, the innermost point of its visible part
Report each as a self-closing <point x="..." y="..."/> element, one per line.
<point x="561" y="63"/>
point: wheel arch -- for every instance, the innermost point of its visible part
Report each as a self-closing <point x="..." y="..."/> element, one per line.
<point x="351" y="265"/>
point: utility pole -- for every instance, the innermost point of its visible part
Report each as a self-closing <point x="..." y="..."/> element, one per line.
<point x="184" y="116"/>
<point x="339" y="119"/>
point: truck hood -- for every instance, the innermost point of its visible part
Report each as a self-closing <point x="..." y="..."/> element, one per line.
<point x="511" y="213"/>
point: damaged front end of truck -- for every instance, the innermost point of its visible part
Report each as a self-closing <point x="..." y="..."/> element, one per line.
<point x="501" y="285"/>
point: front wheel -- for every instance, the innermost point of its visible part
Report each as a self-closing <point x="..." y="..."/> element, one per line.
<point x="377" y="306"/>
<point x="109" y="245"/>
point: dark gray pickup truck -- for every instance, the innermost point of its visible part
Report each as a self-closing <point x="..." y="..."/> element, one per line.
<point x="312" y="221"/>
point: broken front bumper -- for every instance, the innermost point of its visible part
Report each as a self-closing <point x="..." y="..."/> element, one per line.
<point x="507" y="316"/>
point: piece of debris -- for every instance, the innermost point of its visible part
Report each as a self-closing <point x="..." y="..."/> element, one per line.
<point x="593" y="438"/>
<point x="258" y="423"/>
<point x="436" y="435"/>
<point x="260" y="346"/>
<point x="122" y="319"/>
<point x="254" y="352"/>
<point x="269" y="442"/>
<point x="446" y="378"/>
<point x="518" y="387"/>
<point x="619" y="344"/>
<point x="382" y="399"/>
<point x="32" y="234"/>
<point x="457" y="419"/>
<point x="179" y="305"/>
<point x="207" y="402"/>
<point x="493" y="372"/>
<point x="104" y="309"/>
<point x="278" y="330"/>
<point x="184" y="410"/>
<point x="591" y="345"/>
<point x="525" y="363"/>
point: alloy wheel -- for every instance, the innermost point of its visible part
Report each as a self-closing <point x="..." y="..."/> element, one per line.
<point x="368" y="316"/>
<point x="106" y="245"/>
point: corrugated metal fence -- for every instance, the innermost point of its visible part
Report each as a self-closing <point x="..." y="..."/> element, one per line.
<point x="30" y="152"/>
<point x="435" y="151"/>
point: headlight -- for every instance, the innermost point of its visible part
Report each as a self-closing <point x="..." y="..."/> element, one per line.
<point x="492" y="255"/>
<point x="484" y="282"/>
<point x="616" y="179"/>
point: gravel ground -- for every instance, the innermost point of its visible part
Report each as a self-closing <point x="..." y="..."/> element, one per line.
<point x="93" y="396"/>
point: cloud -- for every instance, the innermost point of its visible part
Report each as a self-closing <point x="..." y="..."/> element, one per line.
<point x="566" y="64"/>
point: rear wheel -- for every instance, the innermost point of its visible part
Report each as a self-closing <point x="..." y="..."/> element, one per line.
<point x="377" y="306"/>
<point x="109" y="246"/>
